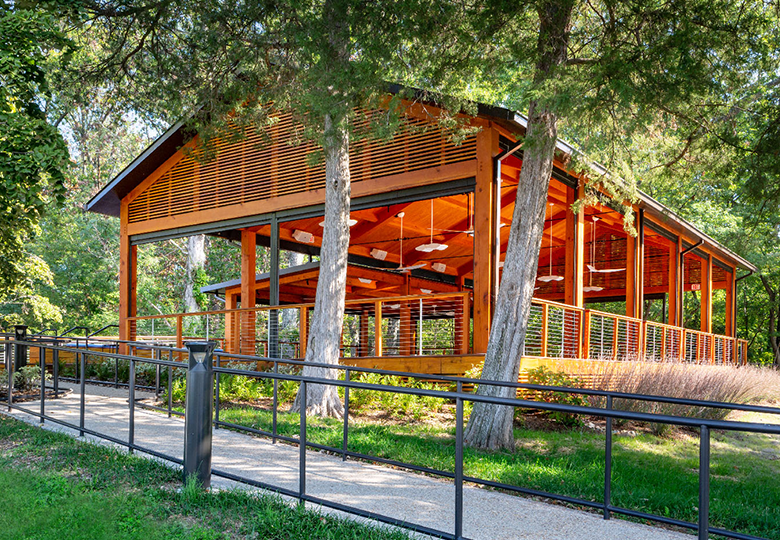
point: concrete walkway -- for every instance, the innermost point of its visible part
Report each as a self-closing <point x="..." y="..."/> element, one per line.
<point x="399" y="494"/>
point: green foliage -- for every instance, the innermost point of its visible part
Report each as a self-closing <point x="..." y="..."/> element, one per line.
<point x="546" y="377"/>
<point x="392" y="403"/>
<point x="27" y="378"/>
<point x="33" y="154"/>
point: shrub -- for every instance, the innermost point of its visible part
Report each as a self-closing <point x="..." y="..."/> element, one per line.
<point x="546" y="377"/>
<point x="395" y="404"/>
<point x="27" y="377"/>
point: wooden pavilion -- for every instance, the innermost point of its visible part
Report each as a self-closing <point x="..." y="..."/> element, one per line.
<point x="429" y="230"/>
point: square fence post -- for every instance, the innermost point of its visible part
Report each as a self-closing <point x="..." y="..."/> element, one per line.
<point x="199" y="410"/>
<point x="20" y="351"/>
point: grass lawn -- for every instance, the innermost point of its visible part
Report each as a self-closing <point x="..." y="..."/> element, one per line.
<point x="55" y="487"/>
<point x="654" y="474"/>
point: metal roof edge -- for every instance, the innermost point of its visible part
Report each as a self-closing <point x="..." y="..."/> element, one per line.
<point x="151" y="149"/>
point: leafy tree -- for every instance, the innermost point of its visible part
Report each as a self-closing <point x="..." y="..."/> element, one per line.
<point x="33" y="154"/>
<point x="607" y="70"/>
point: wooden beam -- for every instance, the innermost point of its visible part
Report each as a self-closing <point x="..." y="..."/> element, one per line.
<point x="572" y="268"/>
<point x="303" y="330"/>
<point x="631" y="272"/>
<point x="360" y="230"/>
<point x="484" y="218"/>
<point x="384" y="184"/>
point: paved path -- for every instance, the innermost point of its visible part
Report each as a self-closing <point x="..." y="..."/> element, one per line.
<point x="399" y="494"/>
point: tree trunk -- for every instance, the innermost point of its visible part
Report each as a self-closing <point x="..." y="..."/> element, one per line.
<point x="774" y="321"/>
<point x="196" y="259"/>
<point x="490" y="426"/>
<point x="328" y="314"/>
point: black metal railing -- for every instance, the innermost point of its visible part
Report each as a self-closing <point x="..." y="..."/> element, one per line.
<point x="457" y="394"/>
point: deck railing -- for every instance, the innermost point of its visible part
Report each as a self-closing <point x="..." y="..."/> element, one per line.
<point x="439" y="324"/>
<point x="428" y="324"/>
<point x="556" y="330"/>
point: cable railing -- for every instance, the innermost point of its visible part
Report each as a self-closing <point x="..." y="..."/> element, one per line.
<point x="415" y="325"/>
<point x="166" y="358"/>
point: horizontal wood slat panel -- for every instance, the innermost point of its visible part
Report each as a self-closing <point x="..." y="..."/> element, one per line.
<point x="251" y="169"/>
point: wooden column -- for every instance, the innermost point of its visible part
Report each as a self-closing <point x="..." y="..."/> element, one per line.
<point x="730" y="304"/>
<point x="128" y="255"/>
<point x="484" y="233"/>
<point x="575" y="250"/>
<point x="247" y="330"/>
<point x="672" y="287"/>
<point x="303" y="331"/>
<point x="631" y="272"/>
<point x="378" y="345"/>
<point x="231" y="334"/>
<point x="706" y="294"/>
<point x="639" y="279"/>
<point x="405" y="333"/>
<point x="680" y="283"/>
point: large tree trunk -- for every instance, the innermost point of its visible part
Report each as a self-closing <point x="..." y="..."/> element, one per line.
<point x="196" y="259"/>
<point x="774" y="321"/>
<point x="328" y="315"/>
<point x="490" y="426"/>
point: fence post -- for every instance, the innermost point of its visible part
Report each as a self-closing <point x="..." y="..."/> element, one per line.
<point x="9" y="366"/>
<point x="608" y="462"/>
<point x="55" y="368"/>
<point x="459" y="463"/>
<point x="83" y="386"/>
<point x="131" y="405"/>
<point x="704" y="483"/>
<point x="585" y="335"/>
<point x="302" y="445"/>
<point x="199" y="409"/>
<point x="345" y="439"/>
<point x="42" y="362"/>
<point x="20" y="351"/>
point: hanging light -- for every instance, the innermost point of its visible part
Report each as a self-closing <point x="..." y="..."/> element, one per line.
<point x="401" y="267"/>
<point x="550" y="276"/>
<point x="591" y="287"/>
<point x="431" y="246"/>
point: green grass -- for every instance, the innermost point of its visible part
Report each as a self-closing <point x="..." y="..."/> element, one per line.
<point x="55" y="487"/>
<point x="652" y="474"/>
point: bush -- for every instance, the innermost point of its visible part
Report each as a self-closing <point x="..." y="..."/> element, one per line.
<point x="28" y="377"/>
<point x="545" y="377"/>
<point x="398" y="405"/>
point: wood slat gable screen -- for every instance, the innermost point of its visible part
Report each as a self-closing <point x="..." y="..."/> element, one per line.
<point x="251" y="169"/>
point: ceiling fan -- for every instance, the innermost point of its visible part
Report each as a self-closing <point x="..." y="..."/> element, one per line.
<point x="401" y="267"/>
<point x="431" y="246"/>
<point x="590" y="286"/>
<point x="470" y="230"/>
<point x="593" y="268"/>
<point x="550" y="276"/>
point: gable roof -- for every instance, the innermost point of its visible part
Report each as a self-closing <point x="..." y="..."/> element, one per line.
<point x="107" y="200"/>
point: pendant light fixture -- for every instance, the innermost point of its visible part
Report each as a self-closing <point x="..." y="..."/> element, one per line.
<point x="401" y="267"/>
<point x="431" y="246"/>
<point x="551" y="276"/>
<point x="591" y="287"/>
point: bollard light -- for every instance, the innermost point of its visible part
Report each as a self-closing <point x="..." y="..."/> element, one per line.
<point x="199" y="411"/>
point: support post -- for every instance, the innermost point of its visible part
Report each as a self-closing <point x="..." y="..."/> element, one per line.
<point x="673" y="283"/>
<point x="706" y="294"/>
<point x="128" y="254"/>
<point x="199" y="409"/>
<point x="273" y="284"/>
<point x="730" y="304"/>
<point x="378" y="341"/>
<point x="248" y="277"/>
<point x="20" y="351"/>
<point x="231" y="335"/>
<point x="303" y="330"/>
<point x="484" y="223"/>
<point x="363" y="332"/>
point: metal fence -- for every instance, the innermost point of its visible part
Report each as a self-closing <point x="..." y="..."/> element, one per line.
<point x="170" y="359"/>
